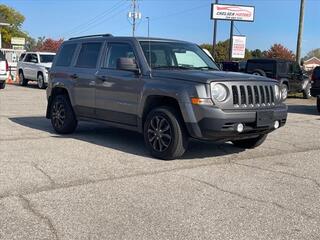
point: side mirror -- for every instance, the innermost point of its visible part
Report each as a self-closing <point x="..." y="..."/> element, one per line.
<point x="127" y="64"/>
<point x="34" y="60"/>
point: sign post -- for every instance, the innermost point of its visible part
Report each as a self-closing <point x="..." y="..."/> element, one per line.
<point x="232" y="13"/>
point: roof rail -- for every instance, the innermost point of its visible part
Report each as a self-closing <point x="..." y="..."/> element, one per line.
<point x="88" y="36"/>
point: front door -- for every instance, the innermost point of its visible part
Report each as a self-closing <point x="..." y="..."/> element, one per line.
<point x="117" y="91"/>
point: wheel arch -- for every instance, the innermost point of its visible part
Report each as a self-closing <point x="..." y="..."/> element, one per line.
<point x="56" y="91"/>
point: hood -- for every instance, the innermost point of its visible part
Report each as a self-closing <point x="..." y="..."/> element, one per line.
<point x="47" y="65"/>
<point x="206" y="76"/>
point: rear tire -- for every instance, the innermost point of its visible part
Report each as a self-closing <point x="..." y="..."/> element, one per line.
<point x="284" y="91"/>
<point x="259" y="72"/>
<point x="164" y="134"/>
<point x="63" y="118"/>
<point x="3" y="85"/>
<point x="251" y="142"/>
<point x="22" y="80"/>
<point x="318" y="104"/>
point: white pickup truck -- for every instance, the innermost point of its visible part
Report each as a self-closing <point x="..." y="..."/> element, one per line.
<point x="4" y="71"/>
<point x="34" y="66"/>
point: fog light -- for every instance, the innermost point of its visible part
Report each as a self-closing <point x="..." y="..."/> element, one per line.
<point x="276" y="124"/>
<point x="240" y="128"/>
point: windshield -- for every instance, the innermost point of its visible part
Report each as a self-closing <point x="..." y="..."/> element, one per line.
<point x="48" y="58"/>
<point x="176" y="55"/>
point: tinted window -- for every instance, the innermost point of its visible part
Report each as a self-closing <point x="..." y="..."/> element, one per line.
<point x="66" y="55"/>
<point x="46" y="58"/>
<point x="116" y="51"/>
<point x="21" y="56"/>
<point x="282" y="67"/>
<point x="28" y="58"/>
<point x="2" y="56"/>
<point x="88" y="56"/>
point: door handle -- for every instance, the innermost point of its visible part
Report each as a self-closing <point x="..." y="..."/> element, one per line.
<point x="74" y="76"/>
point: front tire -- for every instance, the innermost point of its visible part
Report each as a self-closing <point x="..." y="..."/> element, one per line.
<point x="63" y="118"/>
<point x="164" y="134"/>
<point x="40" y="80"/>
<point x="250" y="143"/>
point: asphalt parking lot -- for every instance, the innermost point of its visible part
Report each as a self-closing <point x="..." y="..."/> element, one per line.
<point x="100" y="183"/>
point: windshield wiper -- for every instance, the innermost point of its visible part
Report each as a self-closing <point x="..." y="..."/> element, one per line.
<point x="172" y="67"/>
<point x="206" y="68"/>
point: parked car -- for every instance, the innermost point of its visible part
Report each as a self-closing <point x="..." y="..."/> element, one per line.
<point x="315" y="85"/>
<point x="288" y="73"/>
<point x="34" y="66"/>
<point x="169" y="94"/>
<point x="4" y="70"/>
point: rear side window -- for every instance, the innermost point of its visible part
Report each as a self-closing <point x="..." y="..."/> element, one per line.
<point x="66" y="55"/>
<point x="267" y="67"/>
<point x="89" y="54"/>
<point x="2" y="56"/>
<point x="21" y="56"/>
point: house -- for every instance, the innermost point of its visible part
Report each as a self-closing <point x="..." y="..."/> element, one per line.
<point x="311" y="63"/>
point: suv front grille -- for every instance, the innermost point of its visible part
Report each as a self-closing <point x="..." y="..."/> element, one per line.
<point x="253" y="96"/>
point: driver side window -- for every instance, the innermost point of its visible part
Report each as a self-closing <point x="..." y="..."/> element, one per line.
<point x="116" y="51"/>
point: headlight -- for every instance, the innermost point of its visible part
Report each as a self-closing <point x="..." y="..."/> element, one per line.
<point x="219" y="92"/>
<point x="277" y="92"/>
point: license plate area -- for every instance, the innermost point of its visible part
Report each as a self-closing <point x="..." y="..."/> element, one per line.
<point x="264" y="118"/>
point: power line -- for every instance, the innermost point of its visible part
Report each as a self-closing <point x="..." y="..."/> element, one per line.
<point x="103" y="20"/>
<point x="94" y="19"/>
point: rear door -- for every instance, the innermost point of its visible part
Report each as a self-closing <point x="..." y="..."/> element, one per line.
<point x="295" y="77"/>
<point x="117" y="91"/>
<point x="83" y="75"/>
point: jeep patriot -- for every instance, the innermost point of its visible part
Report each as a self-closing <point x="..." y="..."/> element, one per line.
<point x="168" y="90"/>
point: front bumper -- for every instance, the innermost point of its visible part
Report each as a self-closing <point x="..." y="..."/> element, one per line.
<point x="212" y="123"/>
<point x="315" y="92"/>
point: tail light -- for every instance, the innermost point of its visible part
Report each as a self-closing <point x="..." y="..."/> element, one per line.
<point x="7" y="66"/>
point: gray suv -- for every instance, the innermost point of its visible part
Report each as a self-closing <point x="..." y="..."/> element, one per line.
<point x="168" y="90"/>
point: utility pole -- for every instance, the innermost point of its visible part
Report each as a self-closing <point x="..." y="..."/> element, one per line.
<point x="299" y="41"/>
<point x="215" y="27"/>
<point x="134" y="15"/>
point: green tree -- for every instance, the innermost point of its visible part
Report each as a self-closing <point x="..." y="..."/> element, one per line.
<point x="15" y="19"/>
<point x="222" y="51"/>
<point x="313" y="53"/>
<point x="257" y="53"/>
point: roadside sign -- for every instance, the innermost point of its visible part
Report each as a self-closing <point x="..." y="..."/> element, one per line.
<point x="18" y="41"/>
<point x="232" y="12"/>
<point x="238" y="46"/>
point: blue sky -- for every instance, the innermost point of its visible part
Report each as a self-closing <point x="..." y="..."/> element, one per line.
<point x="276" y="20"/>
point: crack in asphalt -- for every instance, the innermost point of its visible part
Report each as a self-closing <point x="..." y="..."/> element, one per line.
<point x="282" y="172"/>
<point x="52" y="182"/>
<point x="248" y="198"/>
<point x="84" y="182"/>
<point x="28" y="206"/>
